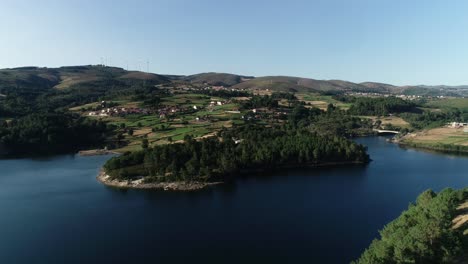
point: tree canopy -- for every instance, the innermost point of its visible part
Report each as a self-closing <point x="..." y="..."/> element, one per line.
<point x="422" y="234"/>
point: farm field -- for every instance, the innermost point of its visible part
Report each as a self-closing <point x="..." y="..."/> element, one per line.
<point x="443" y="135"/>
<point x="321" y="101"/>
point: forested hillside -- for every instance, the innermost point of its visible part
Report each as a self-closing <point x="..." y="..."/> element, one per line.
<point x="422" y="234"/>
<point x="51" y="133"/>
<point x="381" y="106"/>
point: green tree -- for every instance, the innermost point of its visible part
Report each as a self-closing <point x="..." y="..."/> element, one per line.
<point x="145" y="143"/>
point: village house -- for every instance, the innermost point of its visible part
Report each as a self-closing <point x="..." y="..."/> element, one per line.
<point x="457" y="125"/>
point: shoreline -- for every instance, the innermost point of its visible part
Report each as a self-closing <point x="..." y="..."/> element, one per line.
<point x="96" y="152"/>
<point x="441" y="148"/>
<point x="166" y="186"/>
<point x="436" y="149"/>
<point x="433" y="140"/>
<point x="105" y="179"/>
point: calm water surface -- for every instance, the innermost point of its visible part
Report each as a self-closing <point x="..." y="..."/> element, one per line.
<point x="54" y="211"/>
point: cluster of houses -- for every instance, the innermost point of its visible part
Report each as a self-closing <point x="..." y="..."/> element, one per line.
<point x="213" y="103"/>
<point x="264" y="114"/>
<point x="409" y="97"/>
<point x="222" y="88"/>
<point x="402" y="96"/>
<point x="459" y="125"/>
<point x="119" y="111"/>
<point x="165" y="111"/>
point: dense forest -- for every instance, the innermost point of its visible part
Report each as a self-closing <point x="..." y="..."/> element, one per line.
<point x="258" y="101"/>
<point x="432" y="119"/>
<point x="423" y="233"/>
<point x="380" y="106"/>
<point x="50" y="133"/>
<point x="333" y="121"/>
<point x="236" y="150"/>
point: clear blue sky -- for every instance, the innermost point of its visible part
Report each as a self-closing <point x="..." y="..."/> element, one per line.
<point x="398" y="42"/>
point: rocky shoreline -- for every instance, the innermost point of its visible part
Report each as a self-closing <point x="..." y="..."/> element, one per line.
<point x="166" y="186"/>
<point x="96" y="152"/>
<point x="105" y="179"/>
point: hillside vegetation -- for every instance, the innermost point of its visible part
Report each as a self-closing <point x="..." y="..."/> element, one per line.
<point x="422" y="234"/>
<point x="217" y="79"/>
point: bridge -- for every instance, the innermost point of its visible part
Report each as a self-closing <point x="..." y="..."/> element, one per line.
<point x="381" y="131"/>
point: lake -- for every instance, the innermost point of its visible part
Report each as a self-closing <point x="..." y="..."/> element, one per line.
<point x="54" y="211"/>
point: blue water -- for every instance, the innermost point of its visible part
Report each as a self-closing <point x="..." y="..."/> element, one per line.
<point x="54" y="211"/>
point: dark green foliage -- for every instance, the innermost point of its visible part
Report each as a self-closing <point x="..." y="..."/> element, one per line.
<point x="432" y="119"/>
<point x="153" y="101"/>
<point x="380" y="106"/>
<point x="422" y="234"/>
<point x="333" y="121"/>
<point x="51" y="133"/>
<point x="145" y="143"/>
<point x="281" y="95"/>
<point x="258" y="101"/>
<point x="240" y="149"/>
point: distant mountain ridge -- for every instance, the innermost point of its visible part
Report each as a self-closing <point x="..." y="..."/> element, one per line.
<point x="95" y="75"/>
<point x="71" y="76"/>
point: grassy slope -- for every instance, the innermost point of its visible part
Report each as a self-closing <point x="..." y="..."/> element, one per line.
<point x="449" y="103"/>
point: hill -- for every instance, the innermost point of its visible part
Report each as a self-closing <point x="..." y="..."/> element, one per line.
<point x="72" y="77"/>
<point x="217" y="79"/>
<point x="100" y="77"/>
<point x="297" y="84"/>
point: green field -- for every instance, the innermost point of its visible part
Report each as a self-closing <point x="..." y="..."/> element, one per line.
<point x="449" y="103"/>
<point x="321" y="101"/>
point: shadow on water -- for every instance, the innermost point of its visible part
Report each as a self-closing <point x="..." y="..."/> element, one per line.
<point x="445" y="153"/>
